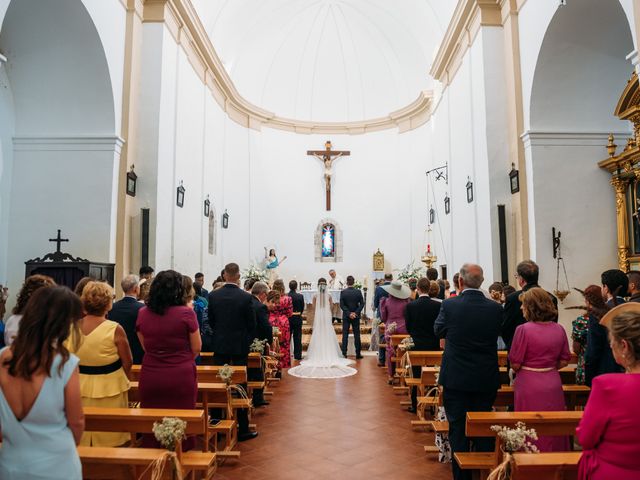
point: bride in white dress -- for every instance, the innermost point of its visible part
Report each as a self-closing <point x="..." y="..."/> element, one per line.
<point x="324" y="358"/>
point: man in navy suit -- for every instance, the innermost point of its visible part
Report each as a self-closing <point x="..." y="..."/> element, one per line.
<point x="232" y="319"/>
<point x="470" y="323"/>
<point x="351" y="303"/>
<point x="125" y="312"/>
<point x="295" y="321"/>
<point x="420" y="316"/>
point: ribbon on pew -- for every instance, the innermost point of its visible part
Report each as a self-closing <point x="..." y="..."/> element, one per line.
<point x="158" y="466"/>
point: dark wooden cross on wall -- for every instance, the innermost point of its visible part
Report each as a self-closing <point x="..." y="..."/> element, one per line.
<point x="58" y="241"/>
<point x="328" y="156"/>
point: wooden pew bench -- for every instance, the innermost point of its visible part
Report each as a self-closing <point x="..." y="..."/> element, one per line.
<point x="556" y="466"/>
<point x="211" y="395"/>
<point x="479" y="425"/>
<point x="105" y="463"/>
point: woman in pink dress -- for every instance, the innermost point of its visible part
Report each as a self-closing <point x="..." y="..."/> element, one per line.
<point x="392" y="311"/>
<point x="540" y="348"/>
<point x="608" y="431"/>
<point x="279" y="317"/>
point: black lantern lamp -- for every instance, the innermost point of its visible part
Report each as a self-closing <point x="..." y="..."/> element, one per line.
<point x="132" y="180"/>
<point x="207" y="206"/>
<point x="225" y="220"/>
<point x="432" y="216"/>
<point x="447" y="204"/>
<point x="514" y="179"/>
<point x="469" y="190"/>
<point x="180" y="195"/>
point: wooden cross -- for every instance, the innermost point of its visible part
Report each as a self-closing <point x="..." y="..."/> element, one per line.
<point x="58" y="241"/>
<point x="327" y="157"/>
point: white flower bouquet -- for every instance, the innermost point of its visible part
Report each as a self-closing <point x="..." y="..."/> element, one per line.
<point x="225" y="373"/>
<point x="406" y="344"/>
<point x="258" y="345"/>
<point x="169" y="432"/>
<point x="409" y="272"/>
<point x="513" y="440"/>
<point x="256" y="273"/>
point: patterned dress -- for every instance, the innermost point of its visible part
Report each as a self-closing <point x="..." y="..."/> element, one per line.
<point x="579" y="335"/>
<point x="279" y="317"/>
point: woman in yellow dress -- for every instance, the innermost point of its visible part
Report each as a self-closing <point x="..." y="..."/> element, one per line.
<point x="105" y="361"/>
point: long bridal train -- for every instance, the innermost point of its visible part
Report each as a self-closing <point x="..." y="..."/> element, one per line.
<point x="324" y="358"/>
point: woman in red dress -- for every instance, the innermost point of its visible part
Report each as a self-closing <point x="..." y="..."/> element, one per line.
<point x="279" y="317"/>
<point x="168" y="332"/>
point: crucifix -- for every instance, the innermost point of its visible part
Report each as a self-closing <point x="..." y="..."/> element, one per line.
<point x="327" y="157"/>
<point x="58" y="241"/>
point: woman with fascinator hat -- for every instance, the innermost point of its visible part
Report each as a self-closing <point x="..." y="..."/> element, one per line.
<point x="392" y="312"/>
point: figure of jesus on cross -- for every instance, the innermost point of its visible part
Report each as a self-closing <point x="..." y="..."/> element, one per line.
<point x="327" y="157"/>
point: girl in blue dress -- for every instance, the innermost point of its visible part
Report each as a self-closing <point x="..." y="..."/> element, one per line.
<point x="40" y="407"/>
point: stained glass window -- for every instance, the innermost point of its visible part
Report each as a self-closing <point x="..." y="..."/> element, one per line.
<point x="328" y="240"/>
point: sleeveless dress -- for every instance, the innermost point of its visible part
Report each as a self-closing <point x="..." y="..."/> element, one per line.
<point x="324" y="358"/>
<point x="41" y="446"/>
<point x="168" y="375"/>
<point x="98" y="349"/>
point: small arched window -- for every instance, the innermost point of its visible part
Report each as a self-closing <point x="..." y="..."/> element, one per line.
<point x="328" y="240"/>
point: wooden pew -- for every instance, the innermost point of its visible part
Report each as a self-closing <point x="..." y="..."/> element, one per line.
<point x="139" y="420"/>
<point x="211" y="395"/>
<point x="205" y="374"/>
<point x="479" y="425"/>
<point x="575" y="396"/>
<point x="556" y="466"/>
<point x="105" y="463"/>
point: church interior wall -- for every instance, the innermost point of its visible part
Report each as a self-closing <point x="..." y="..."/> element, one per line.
<point x="573" y="94"/>
<point x="65" y="146"/>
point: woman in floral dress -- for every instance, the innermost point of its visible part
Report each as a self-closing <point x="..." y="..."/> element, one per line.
<point x="279" y="317"/>
<point x="594" y="305"/>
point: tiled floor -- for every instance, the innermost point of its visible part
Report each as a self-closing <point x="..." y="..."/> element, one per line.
<point x="351" y="428"/>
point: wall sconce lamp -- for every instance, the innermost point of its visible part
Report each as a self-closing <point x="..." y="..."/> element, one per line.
<point x="180" y="195"/>
<point x="447" y="204"/>
<point x="469" y="190"/>
<point x="514" y="179"/>
<point x="225" y="220"/>
<point x="132" y="180"/>
<point x="207" y="206"/>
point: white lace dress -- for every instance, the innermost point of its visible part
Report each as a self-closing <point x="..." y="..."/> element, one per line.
<point x="324" y="358"/>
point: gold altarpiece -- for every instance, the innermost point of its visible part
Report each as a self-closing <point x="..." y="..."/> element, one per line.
<point x="625" y="178"/>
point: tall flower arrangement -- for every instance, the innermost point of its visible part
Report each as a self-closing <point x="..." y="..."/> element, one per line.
<point x="410" y="271"/>
<point x="254" y="272"/>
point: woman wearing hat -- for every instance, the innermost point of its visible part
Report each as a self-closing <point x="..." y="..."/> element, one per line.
<point x="392" y="311"/>
<point x="609" y="426"/>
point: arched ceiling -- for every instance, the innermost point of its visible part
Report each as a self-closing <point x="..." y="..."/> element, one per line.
<point x="327" y="60"/>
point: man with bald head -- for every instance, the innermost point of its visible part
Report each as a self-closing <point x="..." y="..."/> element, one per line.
<point x="125" y="312"/>
<point x="470" y="324"/>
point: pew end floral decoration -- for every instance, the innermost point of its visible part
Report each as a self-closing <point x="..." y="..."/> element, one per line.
<point x="169" y="432"/>
<point x="391" y="328"/>
<point x="258" y="345"/>
<point x="406" y="344"/>
<point x="225" y="373"/>
<point x="276" y="332"/>
<point x="512" y="440"/>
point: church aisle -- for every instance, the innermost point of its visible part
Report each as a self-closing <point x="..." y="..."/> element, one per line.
<point x="351" y="428"/>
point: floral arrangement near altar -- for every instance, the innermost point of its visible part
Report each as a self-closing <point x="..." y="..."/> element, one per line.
<point x="512" y="440"/>
<point x="256" y="273"/>
<point x="169" y="432"/>
<point x="409" y="272"/>
<point x="357" y="285"/>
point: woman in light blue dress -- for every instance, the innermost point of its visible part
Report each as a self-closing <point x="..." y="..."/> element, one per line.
<point x="40" y="408"/>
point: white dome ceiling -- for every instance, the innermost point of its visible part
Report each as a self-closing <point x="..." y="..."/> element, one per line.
<point x="327" y="60"/>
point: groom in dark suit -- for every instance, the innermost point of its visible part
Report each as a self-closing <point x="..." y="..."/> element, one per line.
<point x="232" y="319"/>
<point x="470" y="323"/>
<point x="351" y="303"/>
<point x="295" y="321"/>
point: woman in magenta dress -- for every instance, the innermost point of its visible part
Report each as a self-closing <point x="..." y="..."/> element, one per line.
<point x="279" y="317"/>
<point x="608" y="431"/>
<point x="392" y="311"/>
<point x="540" y="348"/>
<point x="168" y="332"/>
